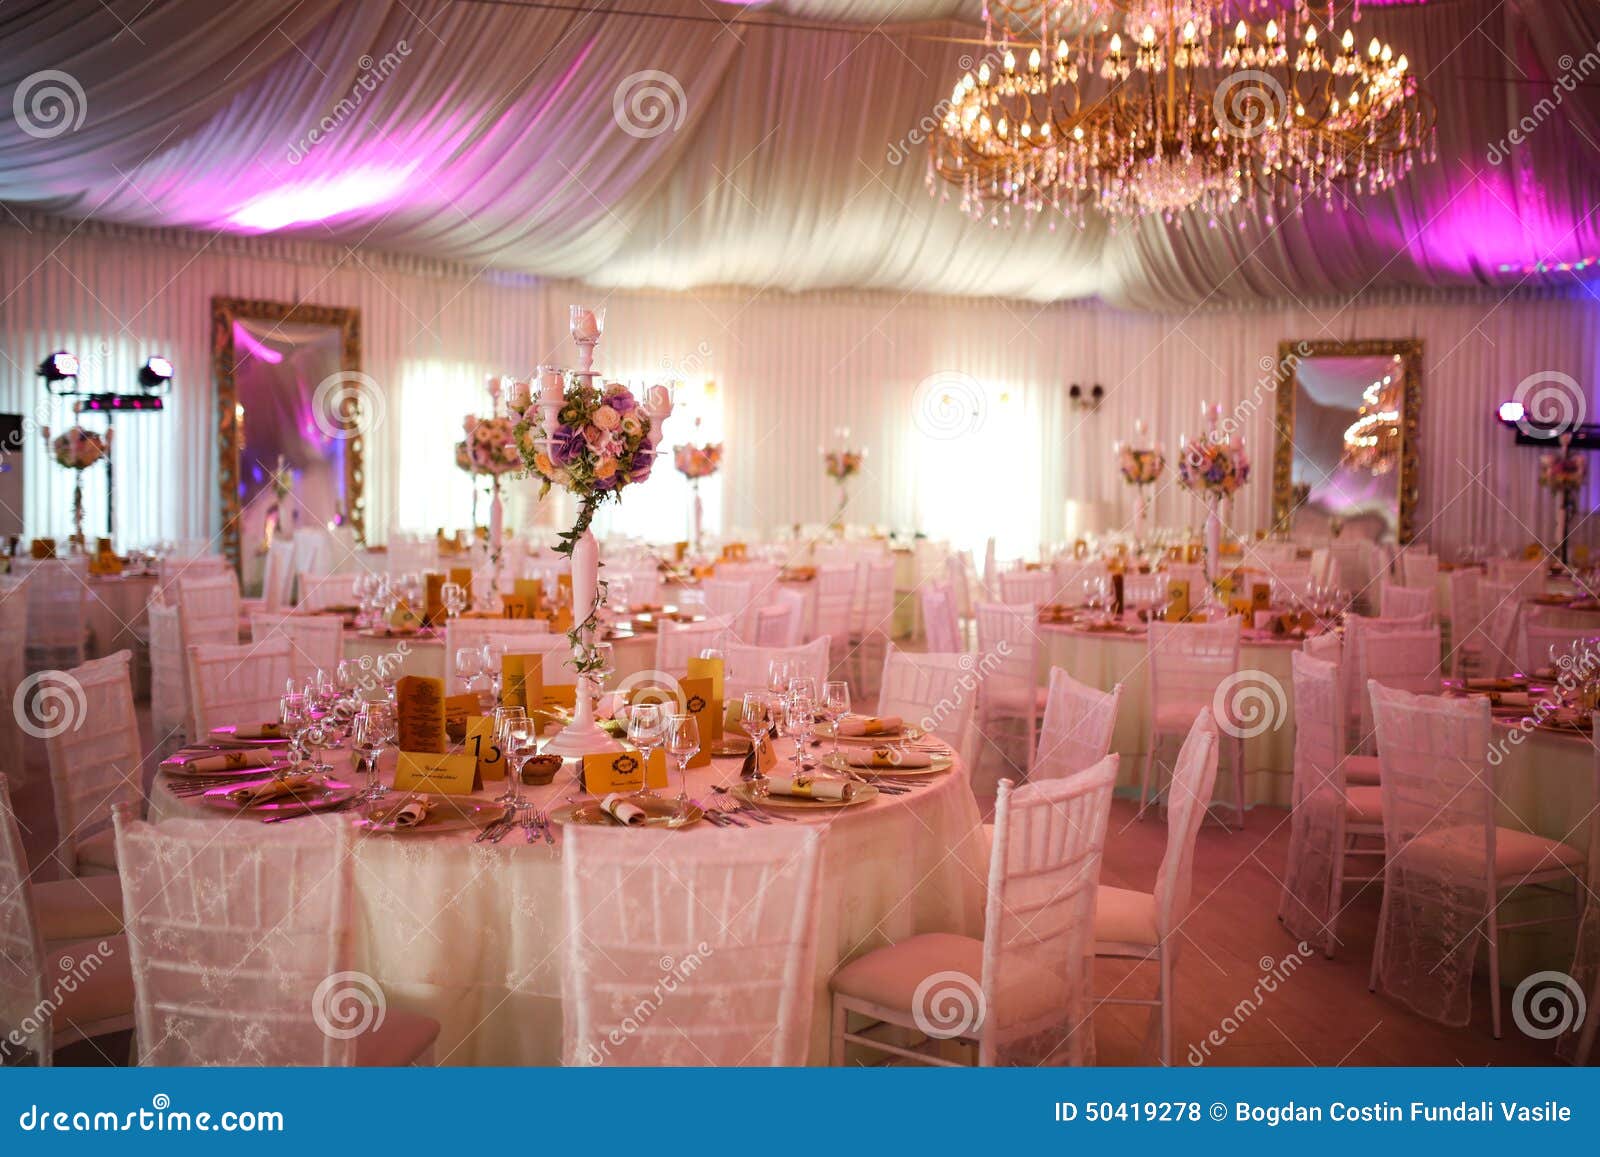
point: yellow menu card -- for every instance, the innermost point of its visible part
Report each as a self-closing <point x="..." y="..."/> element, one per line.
<point x="516" y="671"/>
<point x="419" y="705"/>
<point x="435" y="772"/>
<point x="623" y="771"/>
<point x="1177" y="600"/>
<point x="711" y="669"/>
<point x="433" y="605"/>
<point x="462" y="576"/>
<point x="1260" y="596"/>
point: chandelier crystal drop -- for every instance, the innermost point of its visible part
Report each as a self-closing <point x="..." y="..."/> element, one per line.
<point x="1372" y="441"/>
<point x="1143" y="107"/>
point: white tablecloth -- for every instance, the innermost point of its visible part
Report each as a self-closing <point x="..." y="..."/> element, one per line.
<point x="471" y="933"/>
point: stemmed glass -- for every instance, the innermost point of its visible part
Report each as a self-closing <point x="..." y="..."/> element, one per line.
<point x="469" y="665"/>
<point x="292" y="717"/>
<point x="454" y="598"/>
<point x="646" y="731"/>
<point x="835" y="706"/>
<point x="779" y="672"/>
<point x="683" y="743"/>
<point x="494" y="654"/>
<point x="375" y="727"/>
<point x="798" y="716"/>
<point x="514" y="736"/>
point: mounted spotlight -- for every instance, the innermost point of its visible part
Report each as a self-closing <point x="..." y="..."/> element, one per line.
<point x="155" y="376"/>
<point x="1088" y="400"/>
<point x="1532" y="432"/>
<point x="59" y="367"/>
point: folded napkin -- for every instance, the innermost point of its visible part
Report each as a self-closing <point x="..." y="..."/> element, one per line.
<point x="273" y="788"/>
<point x="409" y="814"/>
<point x="1517" y="699"/>
<point x="887" y="757"/>
<point x="618" y="808"/>
<point x="257" y="731"/>
<point x="870" y="725"/>
<point x="811" y="787"/>
<point x="228" y="761"/>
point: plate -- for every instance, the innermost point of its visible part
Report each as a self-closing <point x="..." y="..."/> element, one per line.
<point x="731" y="745"/>
<point x="865" y="793"/>
<point x="327" y="794"/>
<point x="939" y="764"/>
<point x="226" y="735"/>
<point x="660" y="813"/>
<point x="447" y="813"/>
<point x="825" y="731"/>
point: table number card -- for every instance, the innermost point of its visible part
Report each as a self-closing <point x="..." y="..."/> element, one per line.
<point x="481" y="746"/>
<point x="1260" y="596"/>
<point x="462" y="576"/>
<point x="1177" y="600"/>
<point x="530" y="591"/>
<point x="623" y="771"/>
<point x="419" y="706"/>
<point x="515" y="606"/>
<point x="433" y="607"/>
<point x="433" y="772"/>
<point x="711" y="669"/>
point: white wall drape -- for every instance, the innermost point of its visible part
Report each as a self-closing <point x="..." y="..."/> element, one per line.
<point x="1010" y="457"/>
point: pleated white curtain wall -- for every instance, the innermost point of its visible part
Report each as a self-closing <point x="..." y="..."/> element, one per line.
<point x="961" y="403"/>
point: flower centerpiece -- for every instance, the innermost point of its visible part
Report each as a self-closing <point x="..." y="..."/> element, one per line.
<point x="841" y="465"/>
<point x="1213" y="466"/>
<point x="78" y="449"/>
<point x="1142" y="464"/>
<point x="1563" y="473"/>
<point x="694" y="463"/>
<point x="593" y="440"/>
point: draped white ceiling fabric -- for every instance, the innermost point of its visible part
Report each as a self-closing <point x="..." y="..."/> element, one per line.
<point x="779" y="155"/>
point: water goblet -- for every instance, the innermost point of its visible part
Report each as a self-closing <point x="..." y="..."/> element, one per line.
<point x="469" y="665"/>
<point x="646" y="731"/>
<point x="373" y="729"/>
<point x="779" y="671"/>
<point x="835" y="706"/>
<point x="799" y="714"/>
<point x="512" y="731"/>
<point x="683" y="743"/>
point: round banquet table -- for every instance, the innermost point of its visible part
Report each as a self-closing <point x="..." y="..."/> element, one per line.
<point x="424" y="654"/>
<point x="1103" y="660"/>
<point x="471" y="934"/>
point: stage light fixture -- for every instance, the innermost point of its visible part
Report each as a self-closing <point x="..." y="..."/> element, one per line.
<point x="155" y="376"/>
<point x="58" y="367"/>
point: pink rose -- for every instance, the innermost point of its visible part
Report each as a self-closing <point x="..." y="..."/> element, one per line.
<point x="606" y="418"/>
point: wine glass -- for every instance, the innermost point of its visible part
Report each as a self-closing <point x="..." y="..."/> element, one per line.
<point x="753" y="715"/>
<point x="835" y="706"/>
<point x="779" y="671"/>
<point x="375" y="726"/>
<point x="513" y="732"/>
<point x="799" y="713"/>
<point x="646" y="731"/>
<point x="683" y="743"/>
<point x="454" y="597"/>
<point x="469" y="665"/>
<point x="494" y="654"/>
<point x="292" y="718"/>
<point x="802" y="685"/>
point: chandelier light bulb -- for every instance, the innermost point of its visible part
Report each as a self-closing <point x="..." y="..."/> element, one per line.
<point x="1116" y="44"/>
<point x="1272" y="31"/>
<point x="1240" y="32"/>
<point x="1349" y="41"/>
<point x="1033" y="61"/>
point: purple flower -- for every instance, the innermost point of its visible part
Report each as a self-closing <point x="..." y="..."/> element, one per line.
<point x="567" y="446"/>
<point x="620" y="399"/>
<point x="643" y="459"/>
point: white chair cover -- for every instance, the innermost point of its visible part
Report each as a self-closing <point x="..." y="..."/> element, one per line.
<point x="1398" y="602"/>
<point x="169" y="677"/>
<point x="677" y="643"/>
<point x="835" y="601"/>
<point x="316" y="642"/>
<point x="1312" y="880"/>
<point x="1037" y="984"/>
<point x="21" y="946"/>
<point x="208" y="609"/>
<point x="1407" y="658"/>
<point x="277" y="578"/>
<point x="745" y="667"/>
<point x="236" y="932"/>
<point x="689" y="952"/>
<point x="318" y="592"/>
<point x="92" y="743"/>
<point x="58" y="616"/>
<point x="936" y="692"/>
<point x="1357" y="628"/>
<point x="941" y="626"/>
<point x="1077" y="729"/>
<point x="238" y="684"/>
<point x="1188" y="663"/>
<point x="782" y="622"/>
<point x="1418" y="568"/>
<point x="13" y="666"/>
<point x="175" y="567"/>
<point x="1031" y="587"/>
<point x="1008" y="658"/>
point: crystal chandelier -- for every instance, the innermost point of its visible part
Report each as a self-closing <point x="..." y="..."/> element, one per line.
<point x="1140" y="107"/>
<point x="1372" y="441"/>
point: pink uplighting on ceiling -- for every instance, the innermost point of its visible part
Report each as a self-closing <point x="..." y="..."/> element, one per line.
<point x="319" y="200"/>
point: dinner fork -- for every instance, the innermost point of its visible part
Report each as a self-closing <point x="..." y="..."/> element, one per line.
<point x="530" y="825"/>
<point x="727" y="807"/>
<point x="543" y="820"/>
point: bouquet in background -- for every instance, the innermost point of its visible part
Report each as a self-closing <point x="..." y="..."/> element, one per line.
<point x="601" y="446"/>
<point x="1563" y="471"/>
<point x="77" y="448"/>
<point x="1213" y="466"/>
<point x="696" y="462"/>
<point x="490" y="446"/>
<point x="842" y="464"/>
<point x="1140" y="467"/>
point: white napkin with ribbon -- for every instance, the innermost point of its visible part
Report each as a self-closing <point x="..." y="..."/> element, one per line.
<point x="811" y="787"/>
<point x="886" y="757"/>
<point x="226" y="761"/>
<point x="618" y="808"/>
<point x="870" y="725"/>
<point x="271" y="789"/>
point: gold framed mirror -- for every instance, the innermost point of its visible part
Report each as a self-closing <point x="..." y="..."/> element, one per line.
<point x="1347" y="459"/>
<point x="290" y="447"/>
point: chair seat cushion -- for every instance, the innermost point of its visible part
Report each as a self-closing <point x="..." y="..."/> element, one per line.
<point x="1460" y="850"/>
<point x="97" y="854"/>
<point x="93" y="985"/>
<point x="1123" y="916"/>
<point x="1364" y="805"/>
<point x="78" y="908"/>
<point x="404" y="1038"/>
<point x="1361" y="770"/>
